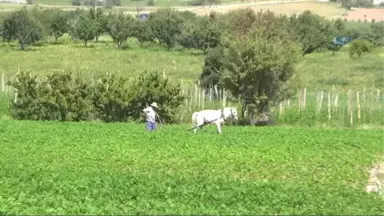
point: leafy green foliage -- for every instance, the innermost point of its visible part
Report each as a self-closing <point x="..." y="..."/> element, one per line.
<point x="142" y="32"/>
<point x="338" y="29"/>
<point x="112" y="99"/>
<point x="213" y="68"/>
<point x="359" y="47"/>
<point x="257" y="71"/>
<point x="100" y="19"/>
<point x="240" y="21"/>
<point x="67" y="98"/>
<point x="202" y="33"/>
<point x="120" y="27"/>
<point x="312" y="31"/>
<point x="377" y="33"/>
<point x="166" y="25"/>
<point x="59" y="97"/>
<point x="348" y="4"/>
<point x="120" y="169"/>
<point x="151" y="86"/>
<point x="22" y="26"/>
<point x="85" y="29"/>
<point x="59" y="25"/>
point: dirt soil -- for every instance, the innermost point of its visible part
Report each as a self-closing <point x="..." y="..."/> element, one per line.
<point x="364" y="13"/>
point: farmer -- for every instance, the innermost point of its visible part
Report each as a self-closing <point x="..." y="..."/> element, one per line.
<point x="151" y="116"/>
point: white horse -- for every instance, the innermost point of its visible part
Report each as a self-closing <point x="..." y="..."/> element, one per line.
<point x="217" y="117"/>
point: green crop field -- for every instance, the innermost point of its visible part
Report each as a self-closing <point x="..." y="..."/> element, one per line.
<point x="94" y="168"/>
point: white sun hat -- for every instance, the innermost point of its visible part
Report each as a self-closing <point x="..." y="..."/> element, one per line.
<point x="154" y="104"/>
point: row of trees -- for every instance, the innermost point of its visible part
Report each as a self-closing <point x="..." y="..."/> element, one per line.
<point x="65" y="97"/>
<point x="170" y="28"/>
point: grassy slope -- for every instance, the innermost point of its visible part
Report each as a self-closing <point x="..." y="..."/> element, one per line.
<point x="85" y="168"/>
<point x="318" y="70"/>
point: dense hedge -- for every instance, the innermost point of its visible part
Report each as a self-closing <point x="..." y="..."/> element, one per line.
<point x="65" y="97"/>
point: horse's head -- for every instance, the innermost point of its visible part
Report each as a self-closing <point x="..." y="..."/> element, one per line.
<point x="232" y="113"/>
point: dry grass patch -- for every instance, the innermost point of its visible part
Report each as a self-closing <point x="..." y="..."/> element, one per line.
<point x="329" y="10"/>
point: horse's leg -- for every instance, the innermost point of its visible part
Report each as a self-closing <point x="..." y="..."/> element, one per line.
<point x="218" y="125"/>
<point x="199" y="121"/>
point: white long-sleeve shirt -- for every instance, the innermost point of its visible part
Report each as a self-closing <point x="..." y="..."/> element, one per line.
<point x="150" y="113"/>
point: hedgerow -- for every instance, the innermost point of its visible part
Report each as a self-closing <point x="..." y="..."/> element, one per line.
<point x="66" y="97"/>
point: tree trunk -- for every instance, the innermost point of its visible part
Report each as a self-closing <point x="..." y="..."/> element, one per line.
<point x="242" y="112"/>
<point x="251" y="111"/>
<point x="23" y="45"/>
<point x="85" y="42"/>
<point x="263" y="109"/>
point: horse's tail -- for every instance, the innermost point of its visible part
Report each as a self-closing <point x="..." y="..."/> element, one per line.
<point x="194" y="116"/>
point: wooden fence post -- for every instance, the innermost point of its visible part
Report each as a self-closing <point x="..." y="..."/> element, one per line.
<point x="329" y="106"/>
<point x="305" y="98"/>
<point x="358" y="104"/>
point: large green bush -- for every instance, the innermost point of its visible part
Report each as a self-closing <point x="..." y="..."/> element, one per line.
<point x="64" y="97"/>
<point x="359" y="47"/>
<point x="57" y="97"/>
<point x="152" y="86"/>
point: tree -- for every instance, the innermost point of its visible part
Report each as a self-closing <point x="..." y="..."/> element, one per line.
<point x="213" y="67"/>
<point x="85" y="29"/>
<point x="257" y="72"/>
<point x="203" y="33"/>
<point x="22" y="26"/>
<point x="59" y="25"/>
<point x="100" y="20"/>
<point x="311" y="31"/>
<point x="166" y="25"/>
<point x="240" y="21"/>
<point x="338" y="29"/>
<point x="377" y="37"/>
<point x="142" y="32"/>
<point x="120" y="28"/>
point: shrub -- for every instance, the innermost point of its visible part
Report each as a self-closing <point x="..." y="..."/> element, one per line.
<point x="64" y="97"/>
<point x="30" y="1"/>
<point x="359" y="47"/>
<point x="116" y="100"/>
<point x="59" y="97"/>
<point x="112" y="99"/>
<point x="151" y="86"/>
